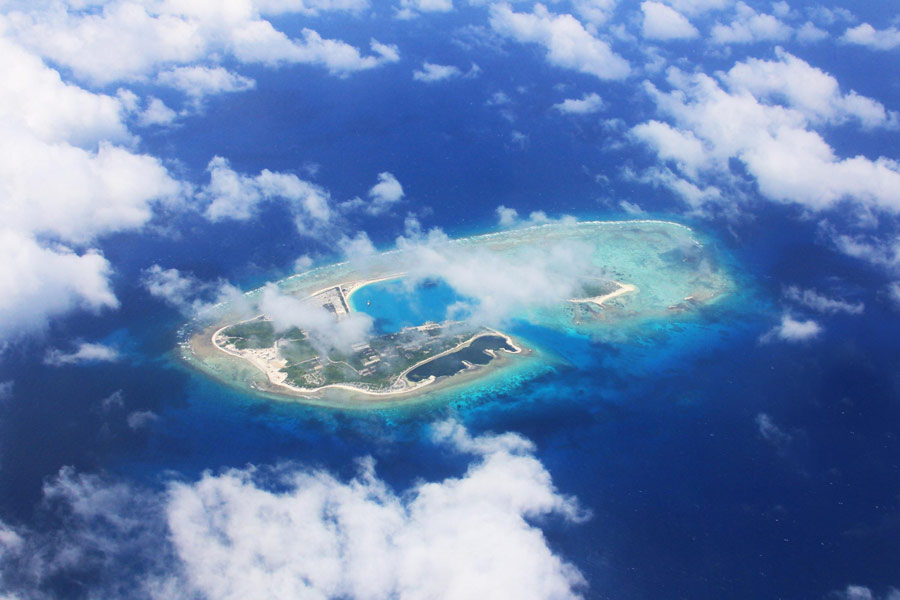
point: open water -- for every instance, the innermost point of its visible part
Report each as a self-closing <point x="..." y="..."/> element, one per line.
<point x="655" y="433"/>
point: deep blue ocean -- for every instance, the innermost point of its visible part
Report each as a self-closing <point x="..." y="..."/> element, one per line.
<point x="656" y="435"/>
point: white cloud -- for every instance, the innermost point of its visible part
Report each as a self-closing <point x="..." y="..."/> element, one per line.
<point x="519" y="139"/>
<point x="432" y="72"/>
<point x="460" y="538"/>
<point x="41" y="283"/>
<point x="893" y="291"/>
<point x="829" y="16"/>
<point x="595" y="12"/>
<point x="631" y="208"/>
<point x="797" y="165"/>
<point x="508" y="218"/>
<point x="262" y="43"/>
<point x="812" y="299"/>
<point x="858" y="592"/>
<point x="884" y="252"/>
<point x="775" y="144"/>
<point x="104" y="528"/>
<point x="662" y="22"/>
<point x="861" y="592"/>
<point x="671" y="144"/>
<point x="86" y="352"/>
<point x="810" y="90"/>
<point x="696" y="7"/>
<point x="303" y="264"/>
<point x="232" y="195"/>
<point x="187" y="293"/>
<point x="67" y="177"/>
<point x="749" y="26"/>
<point x="587" y="104"/>
<point x="60" y="173"/>
<point x="229" y="194"/>
<point x="156" y="113"/>
<point x="385" y="193"/>
<point x="696" y="197"/>
<point x="122" y="41"/>
<point x="295" y="532"/>
<point x="309" y="7"/>
<point x="792" y="330"/>
<point x="498" y="99"/>
<point x="781" y="9"/>
<point x="64" y="180"/>
<point x="114" y="401"/>
<point x="170" y="285"/>
<point x="199" y="81"/>
<point x="325" y="330"/>
<point x="37" y="100"/>
<point x="809" y="33"/>
<point x="357" y="248"/>
<point x="498" y="287"/>
<point x="568" y="44"/>
<point x="126" y="40"/>
<point x="876" y="39"/>
<point x="410" y="9"/>
<point x="76" y="195"/>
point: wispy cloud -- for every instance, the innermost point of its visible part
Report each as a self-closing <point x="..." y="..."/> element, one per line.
<point x="793" y="330"/>
<point x="568" y="44"/>
<point x="85" y="352"/>
<point x="810" y="298"/>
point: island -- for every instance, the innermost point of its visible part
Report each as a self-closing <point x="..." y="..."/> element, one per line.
<point x="437" y="313"/>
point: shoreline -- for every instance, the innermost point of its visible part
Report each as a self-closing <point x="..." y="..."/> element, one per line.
<point x="474" y="237"/>
<point x="624" y="288"/>
<point x="614" y="243"/>
<point x="350" y="387"/>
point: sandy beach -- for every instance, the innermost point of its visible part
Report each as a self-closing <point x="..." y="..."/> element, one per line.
<point x="270" y="364"/>
<point x="260" y="369"/>
<point x="624" y="288"/>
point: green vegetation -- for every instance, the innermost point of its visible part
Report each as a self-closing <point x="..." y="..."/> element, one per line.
<point x="591" y="289"/>
<point x="251" y="334"/>
<point x="376" y="364"/>
<point x="297" y="351"/>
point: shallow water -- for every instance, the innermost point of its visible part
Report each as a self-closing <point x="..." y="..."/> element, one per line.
<point x="397" y="304"/>
<point x="674" y="275"/>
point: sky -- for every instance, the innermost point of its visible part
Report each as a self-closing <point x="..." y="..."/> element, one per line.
<point x="160" y="156"/>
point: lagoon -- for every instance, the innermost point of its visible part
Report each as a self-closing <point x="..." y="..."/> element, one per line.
<point x="398" y="303"/>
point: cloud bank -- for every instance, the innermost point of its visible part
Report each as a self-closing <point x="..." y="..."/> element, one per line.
<point x="230" y="195"/>
<point x="68" y="176"/>
<point x="292" y="532"/>
<point x="187" y="293"/>
<point x="876" y="39"/>
<point x="127" y="41"/>
<point x="567" y="43"/>
<point x="498" y="287"/>
<point x="763" y="114"/>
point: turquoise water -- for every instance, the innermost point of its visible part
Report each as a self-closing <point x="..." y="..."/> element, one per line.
<point x="397" y="304"/>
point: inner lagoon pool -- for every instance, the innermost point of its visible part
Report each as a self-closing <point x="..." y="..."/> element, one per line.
<point x="399" y="303"/>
